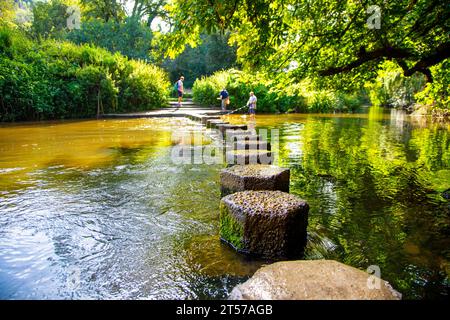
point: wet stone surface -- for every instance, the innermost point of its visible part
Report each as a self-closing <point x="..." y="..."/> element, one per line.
<point x="246" y="156"/>
<point x="313" y="280"/>
<point x="264" y="223"/>
<point x="253" y="177"/>
<point x="226" y="127"/>
<point x="251" y="145"/>
<point x="206" y="118"/>
<point x="214" y="123"/>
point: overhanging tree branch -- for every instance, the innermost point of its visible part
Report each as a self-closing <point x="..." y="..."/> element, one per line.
<point x="422" y="65"/>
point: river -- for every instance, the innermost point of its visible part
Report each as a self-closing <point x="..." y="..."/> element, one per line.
<point x="97" y="209"/>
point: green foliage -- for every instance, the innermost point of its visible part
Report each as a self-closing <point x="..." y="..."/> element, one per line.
<point x="130" y="37"/>
<point x="324" y="38"/>
<point x="272" y="96"/>
<point x="50" y="19"/>
<point x="437" y="94"/>
<point x="105" y="10"/>
<point x="53" y="79"/>
<point x="211" y="55"/>
<point x="391" y="88"/>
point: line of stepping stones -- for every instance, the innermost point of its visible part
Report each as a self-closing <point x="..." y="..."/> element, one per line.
<point x="259" y="217"/>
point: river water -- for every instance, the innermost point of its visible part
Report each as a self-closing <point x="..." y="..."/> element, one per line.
<point x="97" y="209"/>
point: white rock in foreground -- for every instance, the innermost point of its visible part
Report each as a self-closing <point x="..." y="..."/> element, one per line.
<point x="313" y="280"/>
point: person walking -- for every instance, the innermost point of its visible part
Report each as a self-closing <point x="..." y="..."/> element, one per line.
<point x="225" y="98"/>
<point x="251" y="104"/>
<point x="180" y="90"/>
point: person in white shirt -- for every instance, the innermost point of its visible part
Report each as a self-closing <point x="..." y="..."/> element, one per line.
<point x="251" y="104"/>
<point x="180" y="90"/>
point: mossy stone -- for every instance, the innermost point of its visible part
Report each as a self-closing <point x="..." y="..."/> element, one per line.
<point x="264" y="223"/>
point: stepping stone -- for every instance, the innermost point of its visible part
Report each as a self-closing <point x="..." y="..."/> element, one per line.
<point x="313" y="280"/>
<point x="253" y="177"/>
<point x="225" y="127"/>
<point x="213" y="123"/>
<point x="240" y="135"/>
<point x="206" y="118"/>
<point x="243" y="157"/>
<point x="251" y="145"/>
<point x="264" y="223"/>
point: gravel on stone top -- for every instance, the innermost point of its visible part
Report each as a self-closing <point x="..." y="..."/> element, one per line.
<point x="249" y="152"/>
<point x="255" y="170"/>
<point x="264" y="202"/>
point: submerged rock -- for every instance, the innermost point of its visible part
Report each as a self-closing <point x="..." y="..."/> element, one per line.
<point x="264" y="223"/>
<point x="253" y="177"/>
<point x="207" y="255"/>
<point x="313" y="280"/>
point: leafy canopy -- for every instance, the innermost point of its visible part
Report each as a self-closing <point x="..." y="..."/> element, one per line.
<point x="319" y="37"/>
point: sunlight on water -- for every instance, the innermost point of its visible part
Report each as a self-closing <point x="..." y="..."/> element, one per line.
<point x="97" y="209"/>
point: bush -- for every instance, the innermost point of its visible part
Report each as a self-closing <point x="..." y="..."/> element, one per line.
<point x="272" y="97"/>
<point x="437" y="93"/>
<point x="54" y="80"/>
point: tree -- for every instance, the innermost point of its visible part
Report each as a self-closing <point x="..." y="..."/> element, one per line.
<point x="320" y="37"/>
<point x="50" y="19"/>
<point x="105" y="10"/>
<point x="6" y="10"/>
<point x="211" y="55"/>
<point x="148" y="10"/>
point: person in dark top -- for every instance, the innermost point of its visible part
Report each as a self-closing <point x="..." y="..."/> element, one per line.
<point x="225" y="98"/>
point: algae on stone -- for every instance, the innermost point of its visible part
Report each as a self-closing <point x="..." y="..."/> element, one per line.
<point x="230" y="229"/>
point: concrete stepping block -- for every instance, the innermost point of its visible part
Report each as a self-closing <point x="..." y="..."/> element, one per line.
<point x="313" y="280"/>
<point x="271" y="224"/>
<point x="206" y="118"/>
<point x="251" y="145"/>
<point x="240" y="135"/>
<point x="253" y="177"/>
<point x="214" y="123"/>
<point x="247" y="156"/>
<point x="225" y="127"/>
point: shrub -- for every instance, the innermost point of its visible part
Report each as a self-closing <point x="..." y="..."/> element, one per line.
<point x="392" y="89"/>
<point x="272" y="96"/>
<point x="53" y="80"/>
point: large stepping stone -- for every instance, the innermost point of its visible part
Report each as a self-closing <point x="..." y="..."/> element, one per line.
<point x="264" y="223"/>
<point x="248" y="156"/>
<point x="313" y="280"/>
<point x="253" y="177"/>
